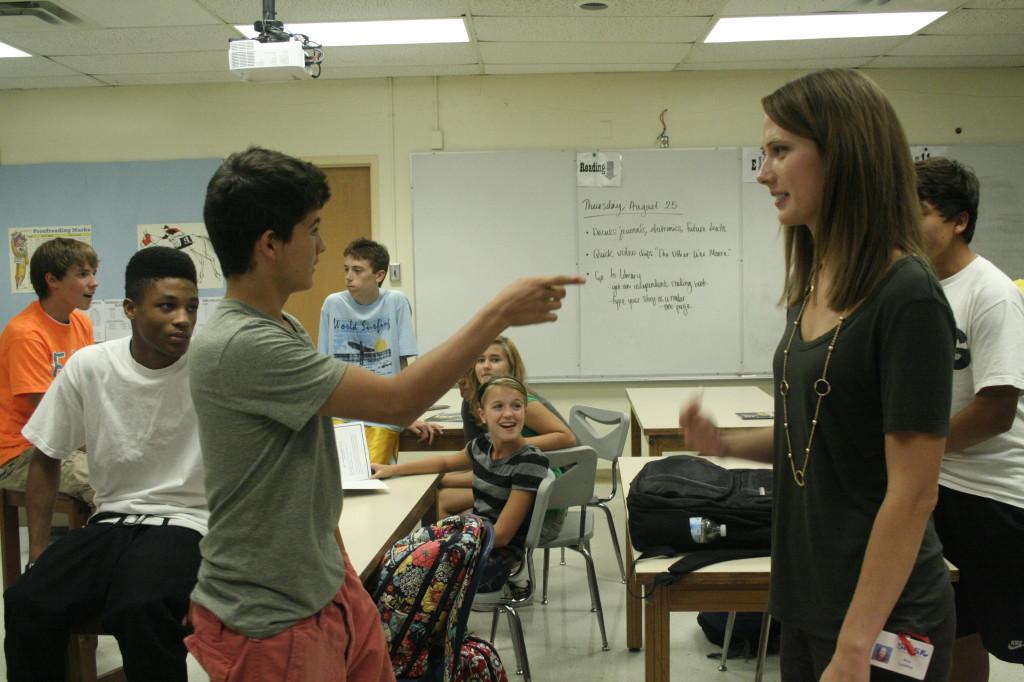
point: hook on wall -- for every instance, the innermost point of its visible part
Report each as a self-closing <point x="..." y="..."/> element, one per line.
<point x="662" y="138"/>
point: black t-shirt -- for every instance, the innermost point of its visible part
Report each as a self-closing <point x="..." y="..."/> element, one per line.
<point x="891" y="371"/>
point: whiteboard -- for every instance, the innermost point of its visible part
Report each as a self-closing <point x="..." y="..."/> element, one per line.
<point x="482" y="219"/>
<point x="999" y="234"/>
<point x="661" y="255"/>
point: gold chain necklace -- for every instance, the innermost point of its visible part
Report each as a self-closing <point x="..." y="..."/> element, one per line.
<point x="821" y="388"/>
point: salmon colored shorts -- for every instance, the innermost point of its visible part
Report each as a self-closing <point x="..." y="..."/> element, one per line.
<point x="343" y="642"/>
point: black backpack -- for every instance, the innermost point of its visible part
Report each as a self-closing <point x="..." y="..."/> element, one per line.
<point x="746" y="631"/>
<point x="669" y="491"/>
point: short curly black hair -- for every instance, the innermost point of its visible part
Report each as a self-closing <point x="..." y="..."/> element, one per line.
<point x="153" y="263"/>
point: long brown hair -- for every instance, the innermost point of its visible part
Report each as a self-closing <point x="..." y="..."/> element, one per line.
<point x="516" y="370"/>
<point x="869" y="200"/>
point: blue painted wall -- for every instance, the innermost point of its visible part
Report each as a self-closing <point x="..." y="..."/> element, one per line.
<point x="112" y="197"/>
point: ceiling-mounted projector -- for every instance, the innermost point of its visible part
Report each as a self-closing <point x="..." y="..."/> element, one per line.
<point x="275" y="54"/>
<point x="268" y="61"/>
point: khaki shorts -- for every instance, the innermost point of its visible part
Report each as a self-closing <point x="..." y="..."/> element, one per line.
<point x="74" y="474"/>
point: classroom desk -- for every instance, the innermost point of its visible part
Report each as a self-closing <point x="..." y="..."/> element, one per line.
<point x="372" y="520"/>
<point x="449" y="441"/>
<point x="654" y="412"/>
<point x="740" y="585"/>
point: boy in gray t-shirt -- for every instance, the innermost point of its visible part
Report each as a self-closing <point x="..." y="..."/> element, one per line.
<point x="275" y="592"/>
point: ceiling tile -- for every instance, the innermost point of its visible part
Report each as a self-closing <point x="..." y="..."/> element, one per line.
<point x="995" y="4"/>
<point x="170" y="78"/>
<point x="32" y="66"/>
<point x="917" y="46"/>
<point x="404" y="71"/>
<point x="174" y="62"/>
<point x="121" y="14"/>
<point x="735" y="8"/>
<point x="74" y="41"/>
<point x="616" y="8"/>
<point x="582" y="53"/>
<point x="165" y="41"/>
<point x="780" y="64"/>
<point x="785" y="50"/>
<point x="298" y="11"/>
<point x="979" y="22"/>
<point x="24" y="23"/>
<point x="48" y="82"/>
<point x="511" y="69"/>
<point x="949" y="61"/>
<point x="591" y="29"/>
<point x="387" y="55"/>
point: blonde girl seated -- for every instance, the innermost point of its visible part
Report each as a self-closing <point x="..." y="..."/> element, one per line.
<point x="506" y="472"/>
<point x="544" y="428"/>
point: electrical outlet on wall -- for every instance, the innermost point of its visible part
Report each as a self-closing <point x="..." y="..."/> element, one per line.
<point x="396" y="272"/>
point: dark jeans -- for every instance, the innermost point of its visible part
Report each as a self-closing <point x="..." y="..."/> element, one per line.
<point x="498" y="568"/>
<point x="804" y="657"/>
<point x="135" y="579"/>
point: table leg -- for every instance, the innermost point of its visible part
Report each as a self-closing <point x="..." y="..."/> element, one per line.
<point x="656" y="668"/>
<point x="634" y="610"/>
<point x="634" y="434"/>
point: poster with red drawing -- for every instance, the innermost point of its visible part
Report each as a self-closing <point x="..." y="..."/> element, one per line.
<point x="193" y="239"/>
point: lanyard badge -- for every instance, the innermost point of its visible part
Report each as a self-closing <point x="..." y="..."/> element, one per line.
<point x="902" y="653"/>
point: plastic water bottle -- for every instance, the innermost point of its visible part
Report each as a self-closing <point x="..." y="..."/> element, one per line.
<point x="704" y="530"/>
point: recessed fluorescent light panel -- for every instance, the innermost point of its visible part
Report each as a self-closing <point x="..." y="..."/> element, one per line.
<point x="8" y="51"/>
<point x="398" y="32"/>
<point x="818" y="26"/>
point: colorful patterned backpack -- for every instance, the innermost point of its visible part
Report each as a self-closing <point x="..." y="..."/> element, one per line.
<point x="424" y="583"/>
<point x="479" y="662"/>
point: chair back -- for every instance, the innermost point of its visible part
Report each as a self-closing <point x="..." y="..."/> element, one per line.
<point x="574" y="487"/>
<point x="608" y="446"/>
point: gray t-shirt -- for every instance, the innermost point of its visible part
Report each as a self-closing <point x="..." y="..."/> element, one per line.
<point x="891" y="371"/>
<point x="273" y="483"/>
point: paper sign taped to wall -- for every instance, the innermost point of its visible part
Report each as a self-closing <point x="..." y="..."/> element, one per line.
<point x="598" y="169"/>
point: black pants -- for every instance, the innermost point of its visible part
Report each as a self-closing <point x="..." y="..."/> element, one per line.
<point x="803" y="656"/>
<point x="135" y="579"/>
<point x="983" y="538"/>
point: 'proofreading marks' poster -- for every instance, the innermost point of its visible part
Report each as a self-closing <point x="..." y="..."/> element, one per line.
<point x="23" y="242"/>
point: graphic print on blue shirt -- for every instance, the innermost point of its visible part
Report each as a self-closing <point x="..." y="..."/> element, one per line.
<point x="363" y="342"/>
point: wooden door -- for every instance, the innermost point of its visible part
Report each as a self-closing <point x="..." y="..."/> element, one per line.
<point x="345" y="217"/>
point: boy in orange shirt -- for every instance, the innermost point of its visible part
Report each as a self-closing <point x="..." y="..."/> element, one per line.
<point x="35" y="345"/>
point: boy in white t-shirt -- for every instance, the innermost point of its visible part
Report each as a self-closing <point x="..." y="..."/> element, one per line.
<point x="980" y="513"/>
<point x="134" y="565"/>
<point x="371" y="327"/>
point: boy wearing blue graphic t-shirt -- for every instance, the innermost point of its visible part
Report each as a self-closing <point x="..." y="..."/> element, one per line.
<point x="372" y="327"/>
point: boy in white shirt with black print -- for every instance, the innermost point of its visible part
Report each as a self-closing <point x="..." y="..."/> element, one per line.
<point x="980" y="514"/>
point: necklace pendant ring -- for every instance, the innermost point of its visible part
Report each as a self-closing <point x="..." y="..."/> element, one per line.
<point x="783" y="388"/>
<point x="798" y="476"/>
<point x="822" y="387"/>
